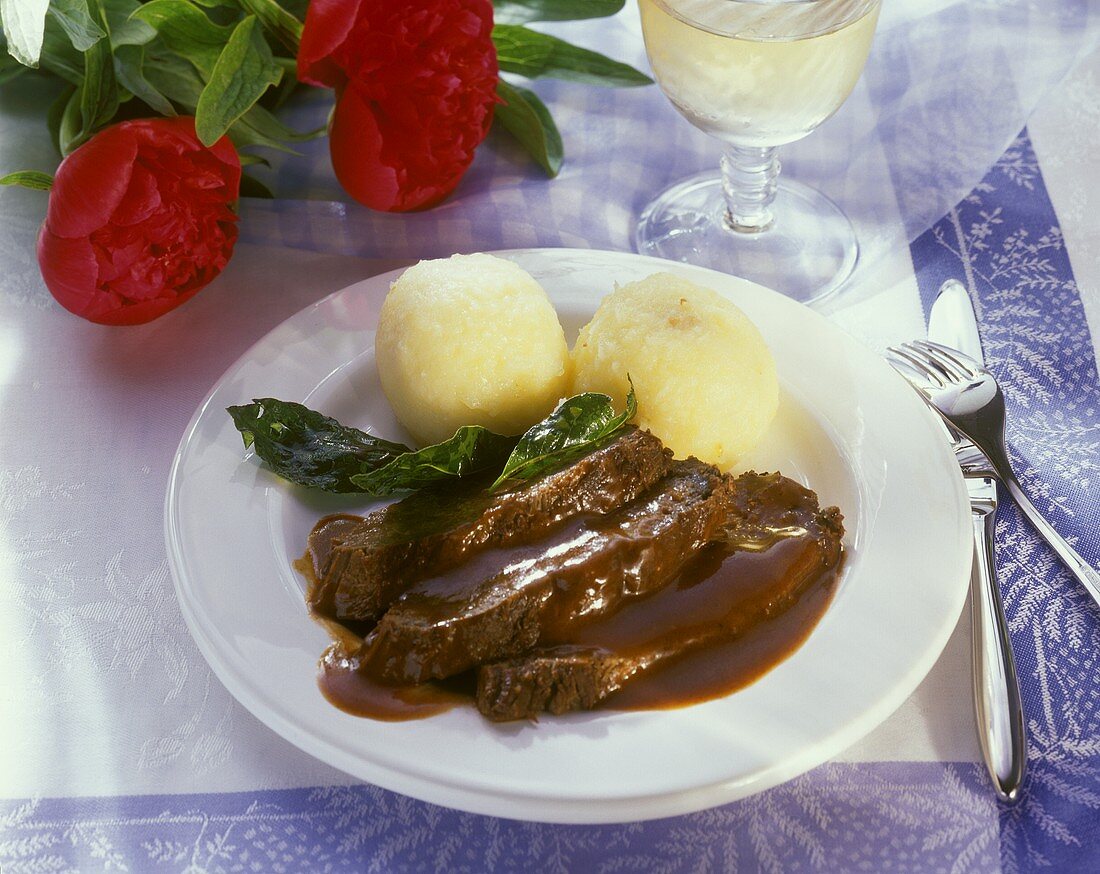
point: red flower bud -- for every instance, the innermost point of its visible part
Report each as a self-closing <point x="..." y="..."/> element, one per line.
<point x="140" y="218"/>
<point x="415" y="88"/>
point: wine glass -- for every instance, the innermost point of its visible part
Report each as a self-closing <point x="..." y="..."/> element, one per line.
<point x="756" y="74"/>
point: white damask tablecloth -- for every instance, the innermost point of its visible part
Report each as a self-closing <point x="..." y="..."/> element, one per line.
<point x="119" y="749"/>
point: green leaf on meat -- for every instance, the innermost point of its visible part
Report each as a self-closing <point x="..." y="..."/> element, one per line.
<point x="471" y="450"/>
<point x="308" y="448"/>
<point x="573" y="429"/>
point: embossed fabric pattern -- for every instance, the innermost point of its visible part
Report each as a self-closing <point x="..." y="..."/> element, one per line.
<point x="98" y="619"/>
<point x="1006" y="241"/>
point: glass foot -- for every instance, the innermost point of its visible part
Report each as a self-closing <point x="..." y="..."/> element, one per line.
<point x="806" y="253"/>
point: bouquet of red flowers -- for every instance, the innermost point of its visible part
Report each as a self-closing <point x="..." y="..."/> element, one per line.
<point x="165" y="100"/>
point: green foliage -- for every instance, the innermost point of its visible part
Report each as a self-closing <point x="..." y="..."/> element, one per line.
<point x="210" y="58"/>
<point x="10" y="68"/>
<point x="98" y="92"/>
<point x="533" y="54"/>
<point x="124" y="29"/>
<point x="186" y="31"/>
<point x="471" y="450"/>
<point x="522" y="11"/>
<point x="130" y="73"/>
<point x="243" y="72"/>
<point x="310" y="449"/>
<point x="76" y="20"/>
<point x="527" y="52"/>
<point x="526" y="118"/>
<point x="577" y="425"/>
<point x="31" y="179"/>
<point x="232" y="62"/>
<point x="277" y="21"/>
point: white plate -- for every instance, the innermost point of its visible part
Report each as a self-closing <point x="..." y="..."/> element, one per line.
<point x="850" y="428"/>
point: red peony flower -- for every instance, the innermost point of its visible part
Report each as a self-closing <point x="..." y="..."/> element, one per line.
<point x="140" y="218"/>
<point x="415" y="87"/>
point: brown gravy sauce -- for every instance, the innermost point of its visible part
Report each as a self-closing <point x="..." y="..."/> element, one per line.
<point x="767" y="590"/>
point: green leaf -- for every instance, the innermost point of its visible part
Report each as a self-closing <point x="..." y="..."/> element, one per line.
<point x="526" y="118"/>
<point x="69" y="124"/>
<point x="129" y="60"/>
<point x="471" y="450"/>
<point x="290" y="82"/>
<point x="7" y="74"/>
<point x="58" y="55"/>
<point x="24" y="23"/>
<point x="55" y="113"/>
<point x="124" y="30"/>
<point x="521" y="11"/>
<point x="307" y="448"/>
<point x="99" y="96"/>
<point x="186" y="30"/>
<point x="180" y="82"/>
<point x="253" y="187"/>
<point x="248" y="160"/>
<point x="244" y="71"/>
<point x="263" y="122"/>
<point x="258" y="127"/>
<point x="277" y="21"/>
<point x="32" y="179"/>
<point x="297" y="8"/>
<point x="173" y="76"/>
<point x="77" y="22"/>
<point x="242" y="136"/>
<point x="573" y="429"/>
<point x="10" y="68"/>
<point x="533" y="54"/>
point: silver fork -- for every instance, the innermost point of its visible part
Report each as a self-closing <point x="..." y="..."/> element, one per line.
<point x="967" y="396"/>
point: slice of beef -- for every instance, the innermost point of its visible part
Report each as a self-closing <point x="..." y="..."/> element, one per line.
<point x="501" y="603"/>
<point x="432" y="530"/>
<point x="558" y="679"/>
<point x="769" y="510"/>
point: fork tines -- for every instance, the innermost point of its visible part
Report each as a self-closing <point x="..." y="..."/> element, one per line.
<point x="928" y="361"/>
<point x="960" y="363"/>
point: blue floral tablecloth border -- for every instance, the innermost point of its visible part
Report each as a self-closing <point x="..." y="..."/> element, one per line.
<point x="1004" y="240"/>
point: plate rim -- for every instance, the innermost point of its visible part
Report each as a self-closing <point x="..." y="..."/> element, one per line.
<point x="545" y="808"/>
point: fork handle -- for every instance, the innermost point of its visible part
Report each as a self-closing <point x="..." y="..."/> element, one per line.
<point x="996" y="689"/>
<point x="1085" y="574"/>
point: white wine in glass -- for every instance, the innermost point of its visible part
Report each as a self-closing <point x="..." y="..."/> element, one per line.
<point x="756" y="74"/>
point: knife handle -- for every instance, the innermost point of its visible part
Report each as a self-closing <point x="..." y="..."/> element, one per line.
<point x="996" y="689"/>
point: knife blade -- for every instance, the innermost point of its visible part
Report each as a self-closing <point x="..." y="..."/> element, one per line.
<point x="952" y="322"/>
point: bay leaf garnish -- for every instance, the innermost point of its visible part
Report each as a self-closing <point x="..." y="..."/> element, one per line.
<point x="573" y="429"/>
<point x="313" y="450"/>
<point x="308" y="448"/>
<point x="471" y="450"/>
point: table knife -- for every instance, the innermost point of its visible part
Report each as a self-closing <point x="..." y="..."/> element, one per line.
<point x="953" y="323"/>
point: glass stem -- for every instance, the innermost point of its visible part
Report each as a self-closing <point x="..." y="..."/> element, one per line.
<point x="749" y="176"/>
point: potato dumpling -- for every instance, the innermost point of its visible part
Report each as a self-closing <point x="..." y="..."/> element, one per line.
<point x="469" y="340"/>
<point x="704" y="378"/>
